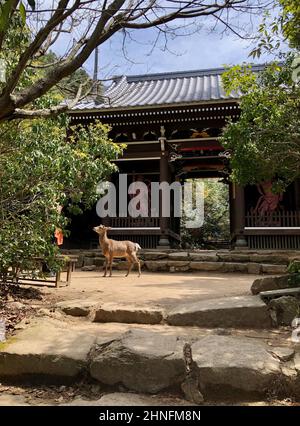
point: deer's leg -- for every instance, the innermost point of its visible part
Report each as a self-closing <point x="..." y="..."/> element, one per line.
<point x="105" y="267"/>
<point x="139" y="266"/>
<point x="129" y="266"/>
<point x="110" y="265"/>
<point x="136" y="260"/>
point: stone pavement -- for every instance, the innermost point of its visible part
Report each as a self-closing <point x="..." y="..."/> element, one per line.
<point x="148" y="359"/>
<point x="130" y="333"/>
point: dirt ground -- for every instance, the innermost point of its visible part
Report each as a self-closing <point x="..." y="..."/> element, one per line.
<point x="153" y="289"/>
<point x="163" y="290"/>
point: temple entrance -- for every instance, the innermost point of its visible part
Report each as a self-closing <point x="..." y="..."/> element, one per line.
<point x="215" y="231"/>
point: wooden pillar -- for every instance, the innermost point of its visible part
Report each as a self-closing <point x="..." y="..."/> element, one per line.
<point x="297" y="194"/>
<point x="237" y="204"/>
<point x="164" y="176"/>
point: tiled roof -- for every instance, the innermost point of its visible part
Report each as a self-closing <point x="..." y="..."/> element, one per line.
<point x="163" y="89"/>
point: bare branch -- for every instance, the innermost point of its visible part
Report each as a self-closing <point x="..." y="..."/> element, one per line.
<point x="91" y="23"/>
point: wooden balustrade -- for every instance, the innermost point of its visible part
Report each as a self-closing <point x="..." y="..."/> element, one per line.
<point x="279" y="218"/>
<point x="134" y="222"/>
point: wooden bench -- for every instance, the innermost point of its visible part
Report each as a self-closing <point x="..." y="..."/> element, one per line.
<point x="18" y="276"/>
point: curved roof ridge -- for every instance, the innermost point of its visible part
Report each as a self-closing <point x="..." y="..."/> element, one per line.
<point x="164" y="89"/>
<point x="181" y="74"/>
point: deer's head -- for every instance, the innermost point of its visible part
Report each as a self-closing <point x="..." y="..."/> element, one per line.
<point x="101" y="229"/>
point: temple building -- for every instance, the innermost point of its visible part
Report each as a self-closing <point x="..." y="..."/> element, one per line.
<point x="171" y="123"/>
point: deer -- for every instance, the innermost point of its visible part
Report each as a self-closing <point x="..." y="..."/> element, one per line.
<point x="112" y="248"/>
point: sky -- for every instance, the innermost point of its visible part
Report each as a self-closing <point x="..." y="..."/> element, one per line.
<point x="205" y="49"/>
<point x="198" y="51"/>
<point x="201" y="50"/>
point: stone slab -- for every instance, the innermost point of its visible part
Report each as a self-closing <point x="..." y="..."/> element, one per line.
<point x="238" y="311"/>
<point x="114" y="312"/>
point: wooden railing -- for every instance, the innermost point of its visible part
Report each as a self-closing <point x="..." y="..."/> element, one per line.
<point x="276" y="219"/>
<point x="134" y="222"/>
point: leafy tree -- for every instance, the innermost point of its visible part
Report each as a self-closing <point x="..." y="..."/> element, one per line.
<point x="40" y="171"/>
<point x="40" y="168"/>
<point x="264" y="143"/>
<point x="275" y="31"/>
<point x="216" y="217"/>
<point x="290" y="21"/>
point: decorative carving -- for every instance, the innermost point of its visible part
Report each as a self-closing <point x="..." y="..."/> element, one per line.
<point x="268" y="202"/>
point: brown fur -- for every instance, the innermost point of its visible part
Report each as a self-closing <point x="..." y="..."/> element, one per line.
<point x="112" y="248"/>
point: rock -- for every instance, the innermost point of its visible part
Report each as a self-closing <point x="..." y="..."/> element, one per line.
<point x="234" y="267"/>
<point x="48" y="348"/>
<point x="235" y="362"/>
<point x="284" y="309"/>
<point x="270" y="258"/>
<point x="79" y="263"/>
<point x="155" y="266"/>
<point x="271" y="283"/>
<point x="123" y="266"/>
<point x="239" y="311"/>
<point x="98" y="261"/>
<point x="223" y="332"/>
<point x="89" y="268"/>
<point x="204" y="257"/>
<point x="178" y="263"/>
<point x="254" y="268"/>
<point x="179" y="256"/>
<point x="89" y="261"/>
<point x="179" y="268"/>
<point x="206" y="266"/>
<point x="141" y="360"/>
<point x="77" y="308"/>
<point x="283" y="353"/>
<point x="94" y="253"/>
<point x="233" y="257"/>
<point x="111" y="312"/>
<point x="155" y="255"/>
<point x="145" y="361"/>
<point x="297" y="363"/>
<point x="191" y="386"/>
<point x="16" y="305"/>
<point x="274" y="269"/>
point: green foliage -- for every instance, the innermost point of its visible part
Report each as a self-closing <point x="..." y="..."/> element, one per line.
<point x="294" y="270"/>
<point x="291" y="21"/>
<point x="17" y="37"/>
<point x="294" y="267"/>
<point x="6" y="9"/>
<point x="265" y="142"/>
<point x="216" y="217"/>
<point x="40" y="170"/>
<point x="275" y="31"/>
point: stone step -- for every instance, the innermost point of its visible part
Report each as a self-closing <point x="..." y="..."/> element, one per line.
<point x="212" y="266"/>
<point x="246" y="261"/>
<point x="237" y="311"/>
<point x="149" y="359"/>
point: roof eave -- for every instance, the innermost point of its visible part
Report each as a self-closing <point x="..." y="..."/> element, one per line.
<point x="155" y="106"/>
